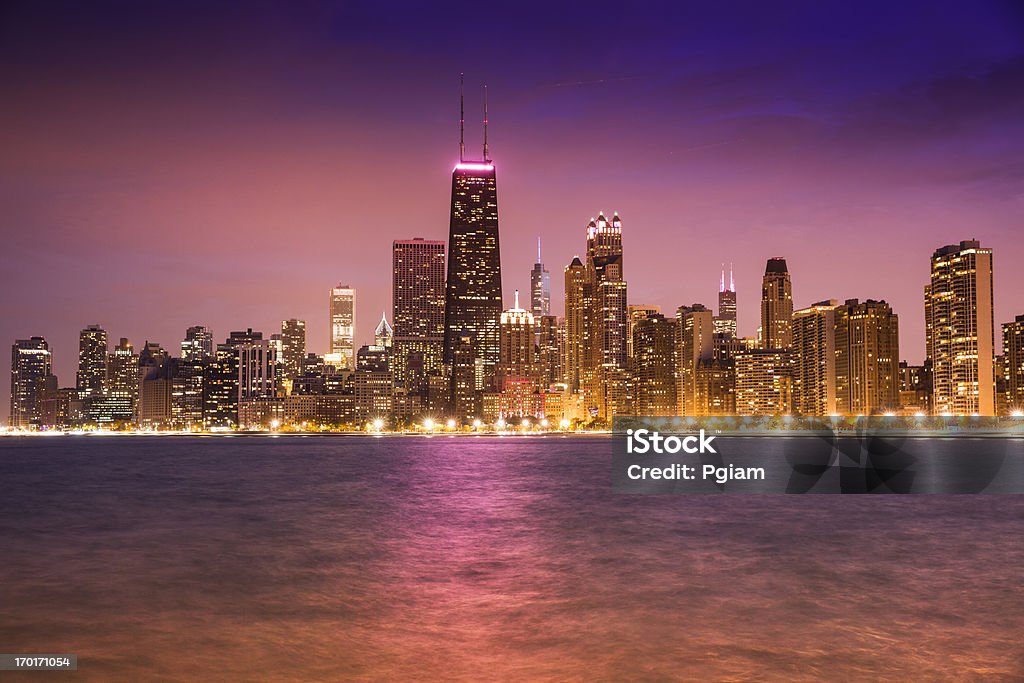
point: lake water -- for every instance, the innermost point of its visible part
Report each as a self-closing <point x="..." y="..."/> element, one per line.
<point x="481" y="558"/>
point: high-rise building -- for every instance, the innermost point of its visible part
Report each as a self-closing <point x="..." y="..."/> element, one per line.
<point x="31" y="373"/>
<point x="867" y="358"/>
<point x="293" y="348"/>
<point x="694" y="347"/>
<point x="654" y="365"/>
<point x="122" y="385"/>
<point x="915" y="388"/>
<point x="549" y="351"/>
<point x="634" y="314"/>
<point x="764" y="382"/>
<point x="92" y="361"/>
<point x="198" y="343"/>
<point x="462" y="385"/>
<point x="418" y="301"/>
<point x="959" y="327"/>
<point x="257" y="364"/>
<point x="814" y="359"/>
<point x="776" y="306"/>
<point x="725" y="322"/>
<point x="473" y="285"/>
<point x="540" y="288"/>
<point x="605" y="320"/>
<point x="575" y="343"/>
<point x="1013" y="362"/>
<point x="516" y="361"/>
<point x="384" y="334"/>
<point x="343" y="324"/>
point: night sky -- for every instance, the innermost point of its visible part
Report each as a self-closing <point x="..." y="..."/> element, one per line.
<point x="166" y="164"/>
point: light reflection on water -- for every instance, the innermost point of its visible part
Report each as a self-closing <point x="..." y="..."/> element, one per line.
<point x="482" y="558"/>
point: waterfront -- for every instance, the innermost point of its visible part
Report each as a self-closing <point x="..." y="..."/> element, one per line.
<point x="306" y="557"/>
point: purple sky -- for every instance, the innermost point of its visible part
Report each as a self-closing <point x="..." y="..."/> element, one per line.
<point x="192" y="163"/>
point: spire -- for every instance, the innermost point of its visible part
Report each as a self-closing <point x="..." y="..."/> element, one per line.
<point x="538" y="250"/>
<point x="516" y="304"/>
<point x="721" y="285"/>
<point x="732" y="285"/>
<point x="462" y="119"/>
<point x="486" y="160"/>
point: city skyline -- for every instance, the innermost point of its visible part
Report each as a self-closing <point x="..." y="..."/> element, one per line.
<point x="871" y="181"/>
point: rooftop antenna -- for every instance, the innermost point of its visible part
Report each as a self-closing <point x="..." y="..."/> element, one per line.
<point x="538" y="250"/>
<point x="485" y="125"/>
<point x="462" y="118"/>
<point x="732" y="285"/>
<point x="516" y="305"/>
<point x="721" y="286"/>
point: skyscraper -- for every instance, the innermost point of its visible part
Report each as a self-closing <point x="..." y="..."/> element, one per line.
<point x="540" y="288"/>
<point x="654" y="365"/>
<point x="575" y="343"/>
<point x="814" y="359"/>
<point x="198" y="343"/>
<point x="725" y="323"/>
<point x="634" y="314"/>
<point x="517" y="360"/>
<point x="473" y="284"/>
<point x="694" y="348"/>
<point x="418" y="296"/>
<point x="293" y="347"/>
<point x="776" y="306"/>
<point x="960" y="330"/>
<point x="1013" y="359"/>
<point x="764" y="382"/>
<point x="605" y="323"/>
<point x="92" y="361"/>
<point x="549" y="348"/>
<point x="867" y="358"/>
<point x="343" y="324"/>
<point x="31" y="369"/>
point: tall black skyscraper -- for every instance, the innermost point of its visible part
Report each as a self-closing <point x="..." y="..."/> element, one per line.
<point x="473" y="286"/>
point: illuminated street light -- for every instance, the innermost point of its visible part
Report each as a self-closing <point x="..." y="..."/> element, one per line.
<point x="451" y="424"/>
<point x="428" y="424"/>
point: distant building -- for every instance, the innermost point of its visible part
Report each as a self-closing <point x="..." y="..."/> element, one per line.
<point x="1013" y="362"/>
<point x="725" y="321"/>
<point x="575" y="342"/>
<point x="814" y="359"/>
<point x="540" y="288"/>
<point x="473" y="284"/>
<point x="418" y="304"/>
<point x="959" y="326"/>
<point x="198" y="343"/>
<point x="694" y="347"/>
<point x="343" y="324"/>
<point x="654" y="365"/>
<point x="634" y="314"/>
<point x="293" y="348"/>
<point x="31" y="381"/>
<point x="92" y="361"/>
<point x="549" y="348"/>
<point x="776" y="306"/>
<point x="867" y="358"/>
<point x="764" y="382"/>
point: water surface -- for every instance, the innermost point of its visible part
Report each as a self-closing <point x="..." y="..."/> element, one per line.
<point x="494" y="558"/>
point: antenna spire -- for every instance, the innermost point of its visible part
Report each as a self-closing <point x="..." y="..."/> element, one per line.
<point x="538" y="250"/>
<point x="732" y="285"/>
<point x="462" y="118"/>
<point x="721" y="286"/>
<point x="516" y="306"/>
<point x="485" y="125"/>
